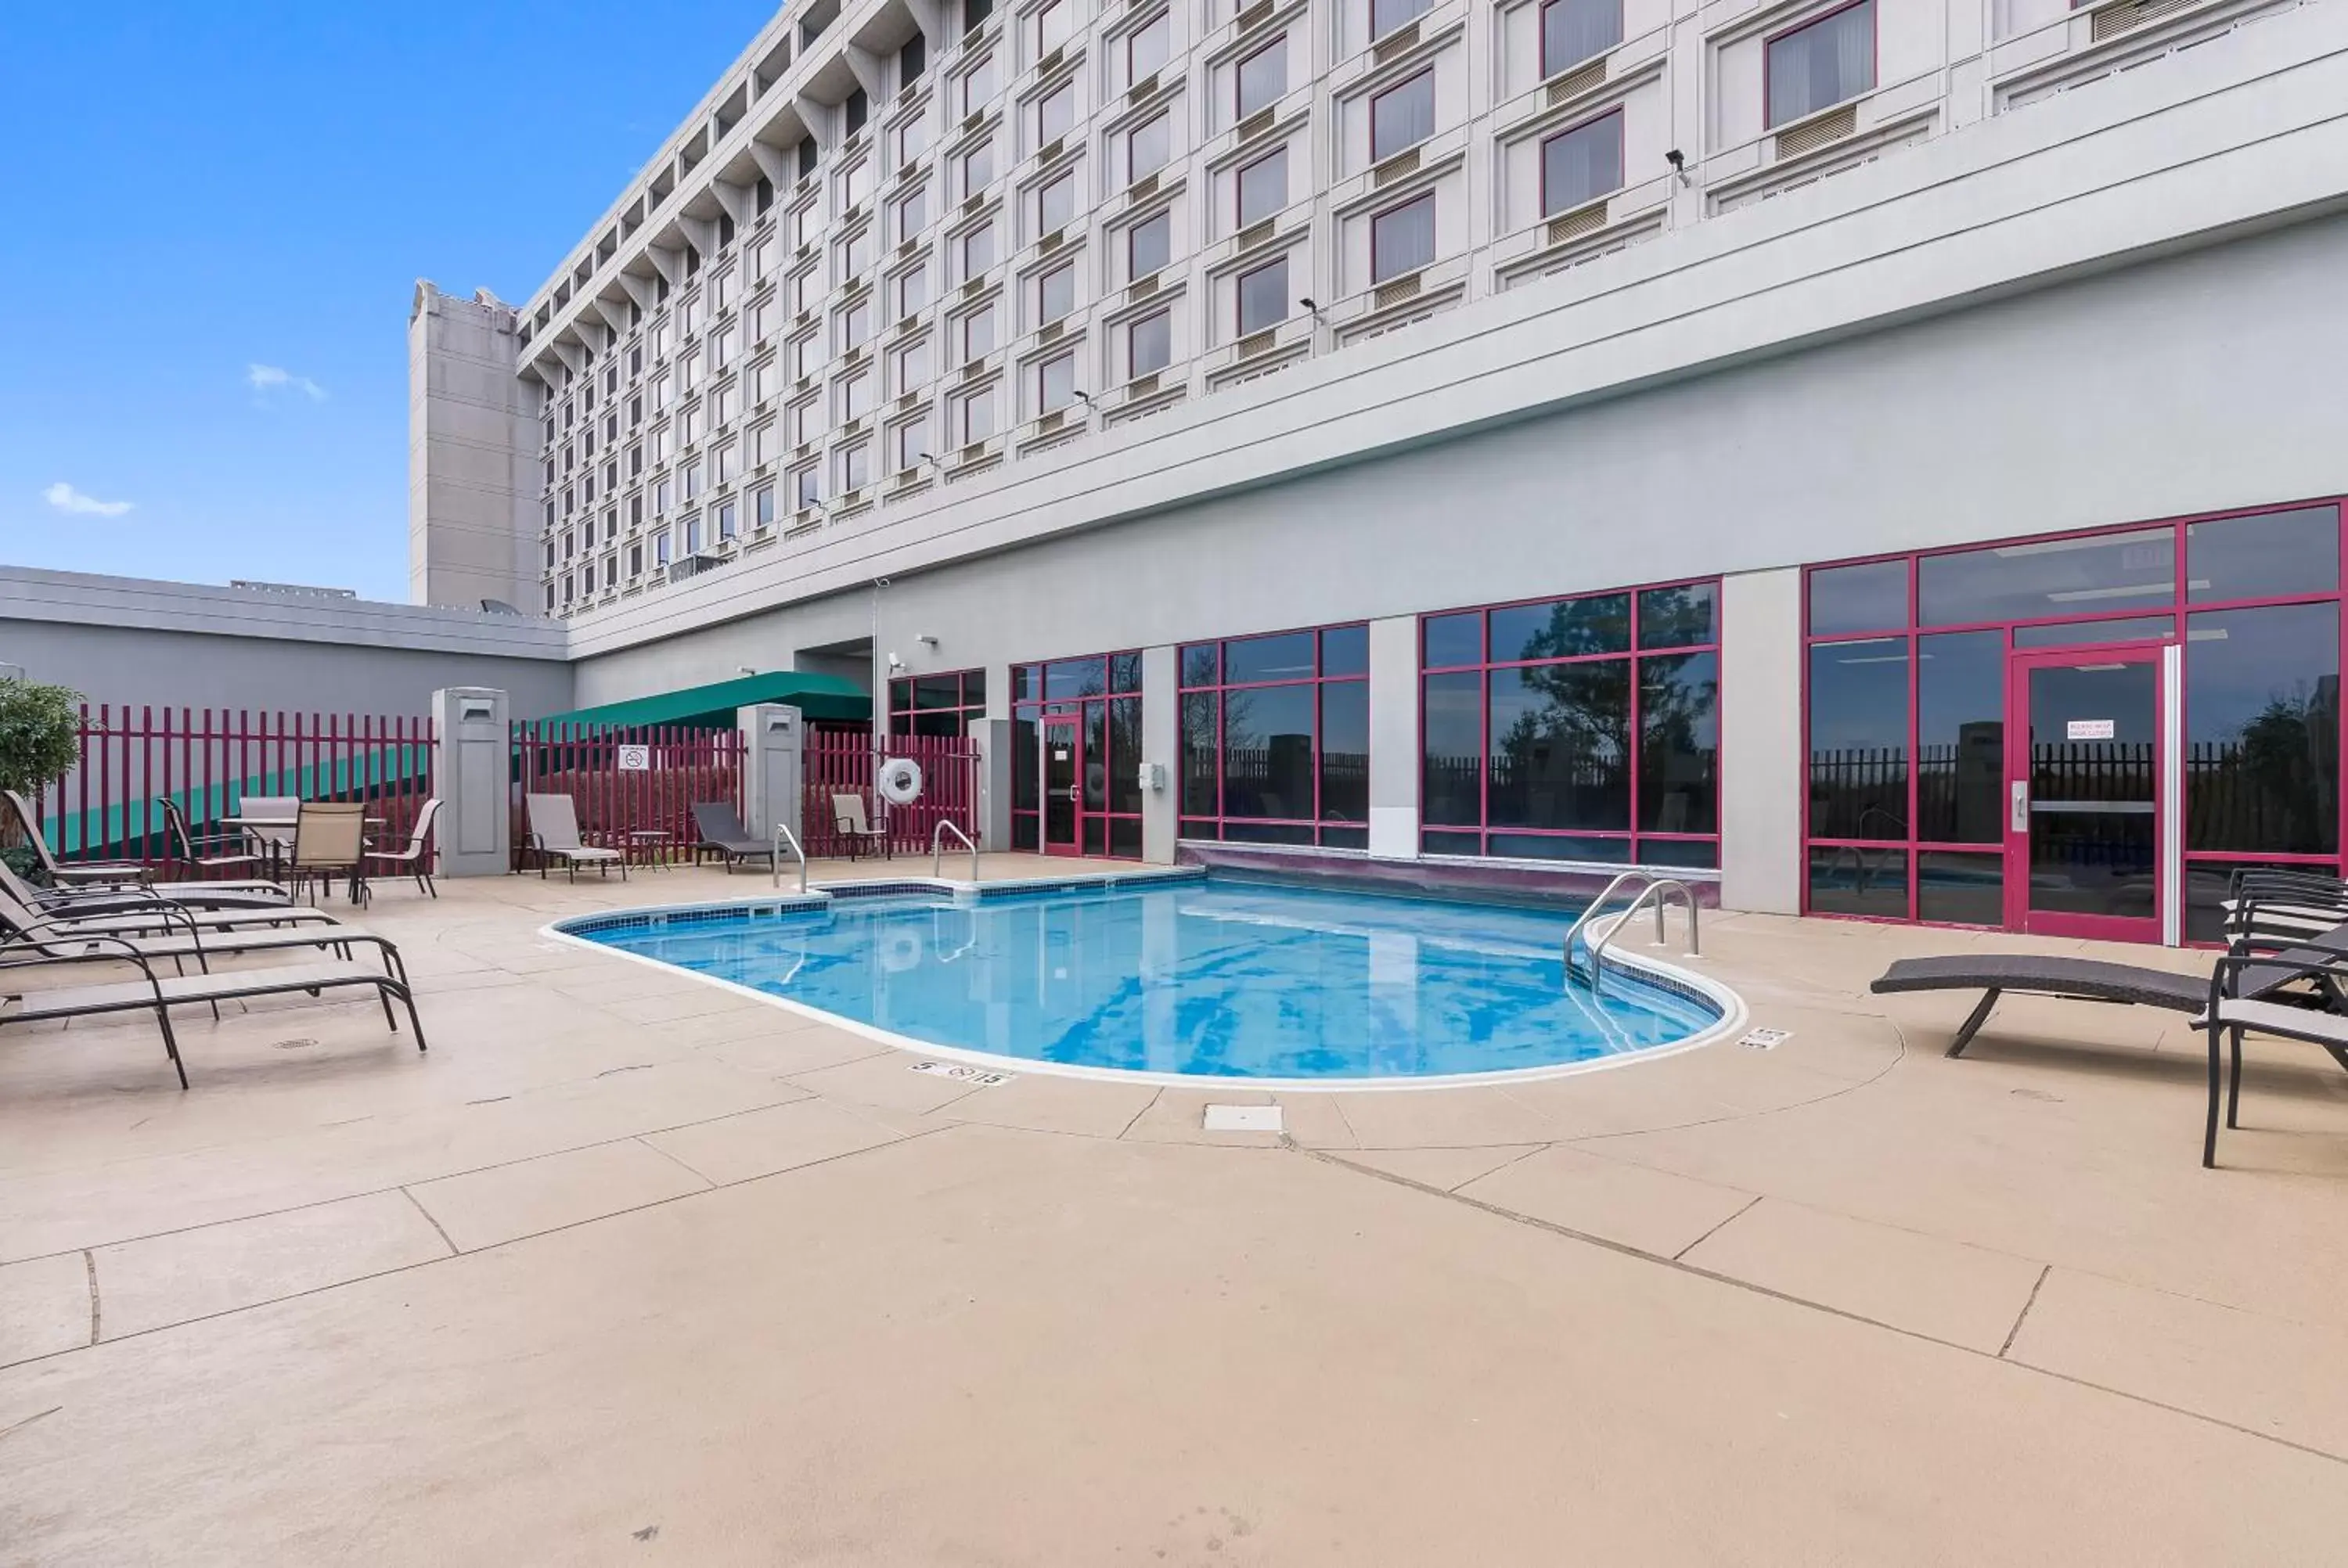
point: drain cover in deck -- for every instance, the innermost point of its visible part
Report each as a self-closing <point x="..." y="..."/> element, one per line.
<point x="1242" y="1118"/>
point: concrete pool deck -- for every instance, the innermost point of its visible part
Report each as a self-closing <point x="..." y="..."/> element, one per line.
<point x="629" y="1268"/>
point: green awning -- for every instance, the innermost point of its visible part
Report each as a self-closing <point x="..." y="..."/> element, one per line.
<point x="712" y="707"/>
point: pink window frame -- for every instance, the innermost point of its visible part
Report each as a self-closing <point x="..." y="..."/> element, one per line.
<point x="1620" y="153"/>
<point x="1424" y="75"/>
<point x="1040" y="707"/>
<point x="1541" y="27"/>
<point x="1874" y="53"/>
<point x="1240" y="219"/>
<point x="1319" y="681"/>
<point x="1240" y="111"/>
<point x="1239" y="297"/>
<point x="965" y="707"/>
<point x="1425" y="199"/>
<point x="2177" y="607"/>
<point x="1632" y="836"/>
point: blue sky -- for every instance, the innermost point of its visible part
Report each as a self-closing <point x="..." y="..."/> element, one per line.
<point x="198" y="189"/>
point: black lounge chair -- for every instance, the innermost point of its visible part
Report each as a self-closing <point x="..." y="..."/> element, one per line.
<point x="2235" y="1006"/>
<point x="161" y="993"/>
<point x="723" y="833"/>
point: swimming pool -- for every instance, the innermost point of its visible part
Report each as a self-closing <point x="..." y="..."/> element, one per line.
<point x="1190" y="980"/>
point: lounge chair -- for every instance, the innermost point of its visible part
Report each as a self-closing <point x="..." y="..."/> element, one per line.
<point x="2236" y="1004"/>
<point x="724" y="834"/>
<point x="130" y="899"/>
<point x="160" y="993"/>
<point x="24" y="931"/>
<point x="74" y="873"/>
<point x="847" y="821"/>
<point x="554" y="831"/>
<point x="155" y="916"/>
<point x="415" y="860"/>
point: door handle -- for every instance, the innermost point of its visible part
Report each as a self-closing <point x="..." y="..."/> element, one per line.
<point x="2020" y="805"/>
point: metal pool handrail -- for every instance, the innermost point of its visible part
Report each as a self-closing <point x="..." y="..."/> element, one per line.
<point x="1591" y="912"/>
<point x="783" y="835"/>
<point x="1661" y="891"/>
<point x="938" y="848"/>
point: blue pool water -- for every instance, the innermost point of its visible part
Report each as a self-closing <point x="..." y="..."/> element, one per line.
<point x="1214" y="978"/>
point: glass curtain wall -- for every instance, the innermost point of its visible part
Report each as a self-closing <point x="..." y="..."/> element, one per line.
<point x="1906" y="710"/>
<point x="1276" y="739"/>
<point x="941" y="704"/>
<point x="1103" y="693"/>
<point x="1575" y="729"/>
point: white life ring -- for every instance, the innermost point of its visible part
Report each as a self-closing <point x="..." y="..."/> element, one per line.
<point x="900" y="781"/>
<point x="900" y="950"/>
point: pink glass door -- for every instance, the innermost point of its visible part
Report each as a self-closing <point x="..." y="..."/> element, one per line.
<point x="2082" y="790"/>
<point x="1062" y="773"/>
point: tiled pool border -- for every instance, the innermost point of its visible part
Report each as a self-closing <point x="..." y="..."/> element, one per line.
<point x="576" y="931"/>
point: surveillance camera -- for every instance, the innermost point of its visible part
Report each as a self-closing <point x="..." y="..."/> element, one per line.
<point x="1675" y="158"/>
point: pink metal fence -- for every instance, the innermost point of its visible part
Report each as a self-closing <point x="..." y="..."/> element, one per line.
<point x="840" y="762"/>
<point x="627" y="783"/>
<point x="211" y="760"/>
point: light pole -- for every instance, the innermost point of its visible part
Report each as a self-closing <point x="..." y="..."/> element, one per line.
<point x="879" y="701"/>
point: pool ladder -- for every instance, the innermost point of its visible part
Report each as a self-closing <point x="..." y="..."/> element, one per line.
<point x="1659" y="891"/>
<point x="783" y="835"/>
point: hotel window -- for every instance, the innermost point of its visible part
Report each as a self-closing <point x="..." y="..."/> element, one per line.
<point x="806" y="288"/>
<point x="762" y="507"/>
<point x="636" y="560"/>
<point x="1053" y="24"/>
<point x="807" y="488"/>
<point x="912" y="60"/>
<point x="1263" y="188"/>
<point x="1402" y="238"/>
<point x="855" y="324"/>
<point x="1149" y="245"/>
<point x="693" y="479"/>
<point x="856" y="255"/>
<point x="722" y="405"/>
<point x="1147" y="48"/>
<point x="1821" y="63"/>
<point x="1575" y="729"/>
<point x="974" y="417"/>
<point x="806" y="422"/>
<point x="856" y="183"/>
<point x="855" y="466"/>
<point x="1582" y="165"/>
<point x="660" y="547"/>
<point x="807" y="356"/>
<point x="722" y="286"/>
<point x="913" y="214"/>
<point x="1263" y="77"/>
<point x="1056" y="204"/>
<point x="977" y="333"/>
<point x="912" y="290"/>
<point x="1147" y="147"/>
<point x="662" y="495"/>
<point x="943" y="705"/>
<point x="856" y="396"/>
<point x="912" y="139"/>
<point x="908" y="442"/>
<point x="690" y="426"/>
<point x="726" y="461"/>
<point x="859" y="109"/>
<point x="978" y="85"/>
<point x="1056" y="114"/>
<point x="978" y="250"/>
<point x="1572" y="31"/>
<point x="913" y="366"/>
<point x="1402" y="117"/>
<point x="1386" y="16"/>
<point x="1150" y="343"/>
<point x="1055" y="293"/>
<point x="1103" y="695"/>
<point x="611" y="571"/>
<point x="1056" y="384"/>
<point x="1264" y="297"/>
<point x="693" y="536"/>
<point x="764" y="442"/>
<point x="977" y="170"/>
<point x="728" y="520"/>
<point x="1276" y="739"/>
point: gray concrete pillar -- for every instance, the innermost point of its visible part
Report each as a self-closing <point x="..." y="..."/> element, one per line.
<point x="1394" y="738"/>
<point x="1761" y="741"/>
<point x="1162" y="753"/>
<point x="992" y="739"/>
<point x="774" y="787"/>
<point x="472" y="770"/>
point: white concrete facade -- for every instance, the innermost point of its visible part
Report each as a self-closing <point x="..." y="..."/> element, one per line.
<point x="2013" y="286"/>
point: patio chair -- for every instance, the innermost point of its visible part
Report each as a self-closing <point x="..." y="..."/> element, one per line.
<point x="723" y="833"/>
<point x="415" y="858"/>
<point x="273" y="845"/>
<point x="847" y="821"/>
<point x="330" y="839"/>
<point x="2238" y="1005"/>
<point x="160" y="993"/>
<point x="75" y="873"/>
<point x="554" y="831"/>
<point x="187" y="851"/>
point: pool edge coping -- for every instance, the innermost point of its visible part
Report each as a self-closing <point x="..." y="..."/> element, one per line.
<point x="1734" y="1012"/>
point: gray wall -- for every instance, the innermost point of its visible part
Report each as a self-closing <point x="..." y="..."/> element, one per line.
<point x="142" y="665"/>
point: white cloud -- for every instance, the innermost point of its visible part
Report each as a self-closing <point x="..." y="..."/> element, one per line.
<point x="65" y="498"/>
<point x="268" y="378"/>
